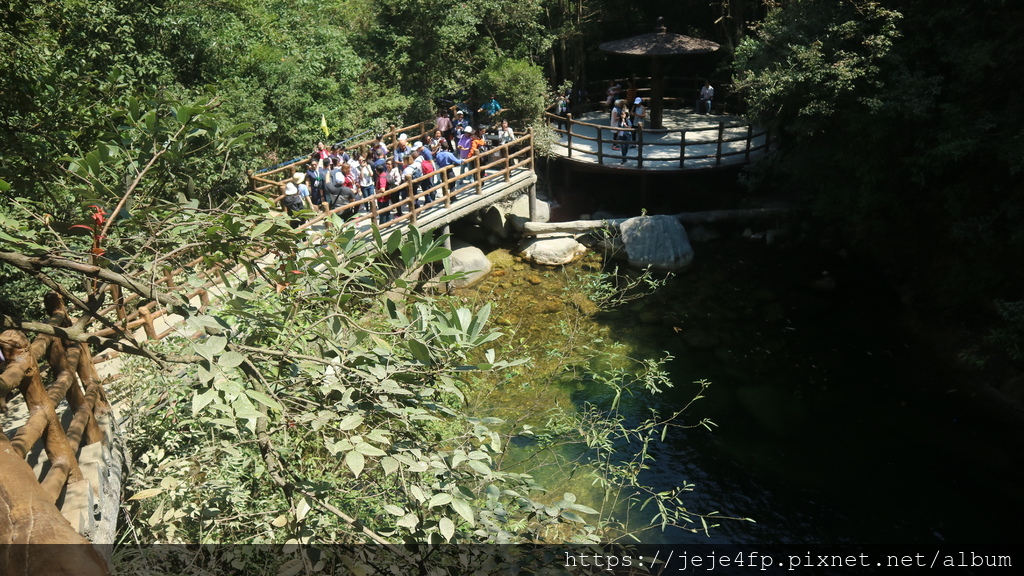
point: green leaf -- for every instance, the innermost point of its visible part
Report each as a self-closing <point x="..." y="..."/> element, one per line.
<point x="439" y="499"/>
<point x="200" y="401"/>
<point x="436" y="254"/>
<point x="419" y="351"/>
<point x="231" y="360"/>
<point x="583" y="509"/>
<point x="264" y="399"/>
<point x="210" y="347"/>
<point x="350" y="422"/>
<point x="464" y="509"/>
<point x="355" y="461"/>
<point x="389" y="464"/>
<point x="480" y="467"/>
<point x="409" y="521"/>
<point x="394" y="510"/>
<point x="447" y="528"/>
<point x="368" y="449"/>
<point x="261" y="228"/>
<point x="147" y="493"/>
<point x="573" y="516"/>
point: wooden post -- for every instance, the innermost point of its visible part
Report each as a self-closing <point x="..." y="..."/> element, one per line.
<point x="507" y="152"/>
<point x="600" y="145"/>
<point x="532" y="165"/>
<point x="446" y="185"/>
<point x="682" y="149"/>
<point x="532" y="191"/>
<point x="639" y="146"/>
<point x="148" y="322"/>
<point x="477" y="176"/>
<point x="721" y="136"/>
<point x="568" y="128"/>
<point x="412" y="201"/>
<point x="168" y="278"/>
<point x="115" y="291"/>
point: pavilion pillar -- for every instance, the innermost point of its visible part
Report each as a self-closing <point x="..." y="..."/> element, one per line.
<point x="657" y="91"/>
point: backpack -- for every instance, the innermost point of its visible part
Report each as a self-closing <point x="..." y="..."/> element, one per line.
<point x="427" y="166"/>
<point x="292" y="202"/>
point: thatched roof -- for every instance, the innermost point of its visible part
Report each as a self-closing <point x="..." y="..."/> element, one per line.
<point x="659" y="43"/>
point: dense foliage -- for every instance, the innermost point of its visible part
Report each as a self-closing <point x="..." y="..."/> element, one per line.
<point x="903" y="122"/>
<point x="321" y="374"/>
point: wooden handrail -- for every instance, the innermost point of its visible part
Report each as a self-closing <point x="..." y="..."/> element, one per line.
<point x="581" y="153"/>
<point x="32" y="516"/>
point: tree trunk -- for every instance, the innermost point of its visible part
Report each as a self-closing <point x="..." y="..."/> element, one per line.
<point x="706" y="217"/>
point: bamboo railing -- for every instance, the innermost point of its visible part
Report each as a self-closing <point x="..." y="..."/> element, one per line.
<point x="31" y="514"/>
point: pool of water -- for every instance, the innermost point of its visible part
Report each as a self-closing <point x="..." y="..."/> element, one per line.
<point x="833" y="425"/>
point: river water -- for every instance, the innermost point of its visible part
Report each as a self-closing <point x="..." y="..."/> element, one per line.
<point x="832" y="425"/>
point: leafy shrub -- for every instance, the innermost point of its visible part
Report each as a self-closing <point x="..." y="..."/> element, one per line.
<point x="520" y="87"/>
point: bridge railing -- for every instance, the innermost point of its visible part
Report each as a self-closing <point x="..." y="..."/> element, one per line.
<point x="268" y="180"/>
<point x="132" y="312"/>
<point x="31" y="515"/>
<point x="416" y="196"/>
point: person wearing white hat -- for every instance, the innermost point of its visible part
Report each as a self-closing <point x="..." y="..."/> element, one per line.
<point x="291" y="201"/>
<point x="461" y="122"/>
<point x="299" y="178"/>
<point x="639" y="112"/>
<point x="465" y="146"/>
<point x="402" y="148"/>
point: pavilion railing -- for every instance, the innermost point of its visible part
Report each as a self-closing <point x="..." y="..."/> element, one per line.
<point x="692" y="150"/>
<point x="729" y="142"/>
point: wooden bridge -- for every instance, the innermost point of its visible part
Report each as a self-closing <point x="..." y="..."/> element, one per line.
<point x="431" y="201"/>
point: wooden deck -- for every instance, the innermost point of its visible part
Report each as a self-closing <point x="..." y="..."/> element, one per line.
<point x="689" y="141"/>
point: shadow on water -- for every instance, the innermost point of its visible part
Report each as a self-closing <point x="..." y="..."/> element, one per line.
<point x="832" y="425"/>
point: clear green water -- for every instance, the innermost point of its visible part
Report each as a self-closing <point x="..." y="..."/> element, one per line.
<point x="833" y="426"/>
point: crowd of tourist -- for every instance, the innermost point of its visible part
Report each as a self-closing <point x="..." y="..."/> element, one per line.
<point x="337" y="176"/>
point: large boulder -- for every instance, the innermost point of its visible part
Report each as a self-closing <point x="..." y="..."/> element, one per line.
<point x="493" y="220"/>
<point x="656" y="241"/>
<point x="471" y="260"/>
<point x="519" y="213"/>
<point x="552" y="250"/>
<point x="502" y="218"/>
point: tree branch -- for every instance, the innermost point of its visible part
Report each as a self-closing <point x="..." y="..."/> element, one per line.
<point x="34" y="264"/>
